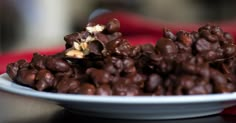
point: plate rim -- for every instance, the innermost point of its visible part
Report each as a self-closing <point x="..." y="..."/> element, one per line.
<point x="114" y="99"/>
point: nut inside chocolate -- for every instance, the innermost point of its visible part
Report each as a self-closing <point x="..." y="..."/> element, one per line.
<point x="99" y="61"/>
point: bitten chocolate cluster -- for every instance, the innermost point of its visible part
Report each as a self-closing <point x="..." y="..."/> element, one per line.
<point x="99" y="61"/>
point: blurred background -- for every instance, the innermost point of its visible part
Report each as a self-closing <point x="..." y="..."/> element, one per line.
<point x="35" y="24"/>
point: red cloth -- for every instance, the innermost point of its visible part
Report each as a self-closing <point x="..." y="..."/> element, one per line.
<point x="136" y="29"/>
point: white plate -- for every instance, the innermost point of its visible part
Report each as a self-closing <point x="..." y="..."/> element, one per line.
<point x="141" y="107"/>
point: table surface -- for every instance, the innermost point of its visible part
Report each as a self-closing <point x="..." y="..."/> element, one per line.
<point x="19" y="109"/>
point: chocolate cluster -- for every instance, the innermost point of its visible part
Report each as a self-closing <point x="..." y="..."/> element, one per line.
<point x="99" y="61"/>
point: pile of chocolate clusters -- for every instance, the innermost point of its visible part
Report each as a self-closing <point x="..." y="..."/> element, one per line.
<point x="98" y="61"/>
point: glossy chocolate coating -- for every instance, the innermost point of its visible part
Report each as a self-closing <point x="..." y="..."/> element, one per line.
<point x="102" y="62"/>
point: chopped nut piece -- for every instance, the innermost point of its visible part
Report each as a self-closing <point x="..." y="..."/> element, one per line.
<point x="76" y="45"/>
<point x="84" y="45"/>
<point x="75" y="54"/>
<point x="96" y="28"/>
<point x="88" y="39"/>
